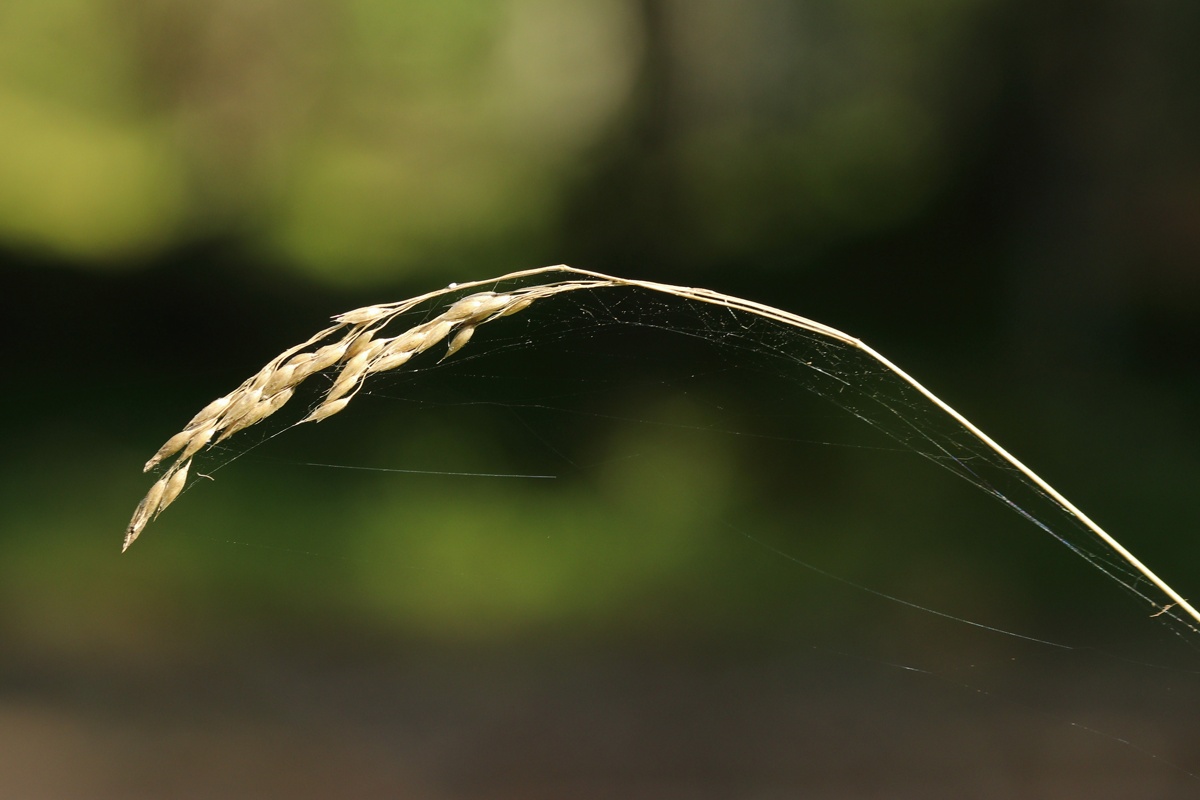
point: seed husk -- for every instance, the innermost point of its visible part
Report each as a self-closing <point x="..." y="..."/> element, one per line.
<point x="199" y="439"/>
<point x="144" y="512"/>
<point x="261" y="410"/>
<point x="460" y="339"/>
<point x="326" y="410"/>
<point x="361" y="316"/>
<point x="516" y="306"/>
<point x="175" y="483"/>
<point x="242" y="403"/>
<point x="476" y="306"/>
<point x="282" y="379"/>
<point x="208" y="413"/>
<point x="172" y="446"/>
<point x="389" y="360"/>
<point x="323" y="358"/>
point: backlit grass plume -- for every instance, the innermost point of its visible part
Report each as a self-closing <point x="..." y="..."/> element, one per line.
<point x="355" y="347"/>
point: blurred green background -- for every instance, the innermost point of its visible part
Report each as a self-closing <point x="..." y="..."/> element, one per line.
<point x="1003" y="197"/>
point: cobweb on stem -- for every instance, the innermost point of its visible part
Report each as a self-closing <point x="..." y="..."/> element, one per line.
<point x="373" y="340"/>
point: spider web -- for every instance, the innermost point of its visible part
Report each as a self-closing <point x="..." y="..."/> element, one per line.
<point x="674" y="426"/>
<point x="602" y="341"/>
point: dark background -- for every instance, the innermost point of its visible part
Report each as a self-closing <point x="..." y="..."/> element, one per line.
<point x="1003" y="197"/>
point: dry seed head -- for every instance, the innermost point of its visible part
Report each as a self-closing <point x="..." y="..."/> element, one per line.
<point x="326" y="409"/>
<point x="273" y="386"/>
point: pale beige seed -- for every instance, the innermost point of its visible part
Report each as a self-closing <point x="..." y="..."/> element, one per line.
<point x="345" y="383"/>
<point x="140" y="518"/>
<point x="410" y="340"/>
<point x="461" y="338"/>
<point x="517" y="306"/>
<point x="172" y="446"/>
<point x="198" y="440"/>
<point x="261" y="377"/>
<point x="299" y="360"/>
<point x="360" y="343"/>
<point x="245" y="400"/>
<point x="279" y="399"/>
<point x="282" y="379"/>
<point x="358" y="362"/>
<point x="323" y="358"/>
<point x="208" y="413"/>
<point x="465" y="308"/>
<point x="175" y="483"/>
<point x="432" y="334"/>
<point x="362" y="315"/>
<point x="144" y="512"/>
<point x="261" y="410"/>
<point x="389" y="360"/>
<point x="476" y="306"/>
<point x="326" y="410"/>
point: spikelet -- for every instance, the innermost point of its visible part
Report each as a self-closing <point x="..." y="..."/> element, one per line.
<point x="459" y="341"/>
<point x="298" y="362"/>
<point x="199" y="439"/>
<point x="243" y="401"/>
<point x="323" y="358"/>
<point x="363" y="356"/>
<point x="172" y="446"/>
<point x="326" y="410"/>
<point x="439" y="330"/>
<point x="259" y="381"/>
<point x="260" y="411"/>
<point x="362" y="316"/>
<point x="517" y="305"/>
<point x="278" y="400"/>
<point x="282" y="379"/>
<point x="175" y="483"/>
<point x="208" y="413"/>
<point x="345" y="383"/>
<point x="423" y="337"/>
<point x="358" y="344"/>
<point x="476" y="306"/>
<point x="389" y="359"/>
<point x="145" y="511"/>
